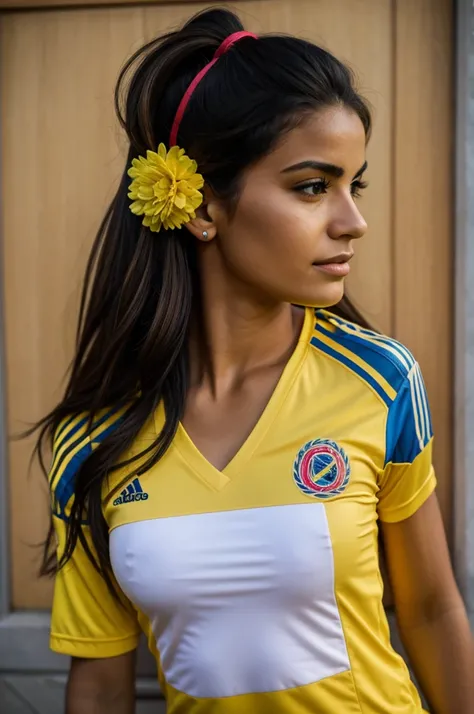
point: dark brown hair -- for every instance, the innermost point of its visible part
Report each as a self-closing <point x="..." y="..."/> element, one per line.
<point x="138" y="291"/>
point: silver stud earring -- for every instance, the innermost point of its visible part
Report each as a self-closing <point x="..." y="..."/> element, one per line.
<point x="205" y="235"/>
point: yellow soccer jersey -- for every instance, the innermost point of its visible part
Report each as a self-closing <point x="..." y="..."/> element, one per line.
<point x="258" y="587"/>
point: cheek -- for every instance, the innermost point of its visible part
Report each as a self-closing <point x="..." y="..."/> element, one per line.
<point x="278" y="231"/>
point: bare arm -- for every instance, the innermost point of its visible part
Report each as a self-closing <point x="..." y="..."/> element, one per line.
<point x="102" y="686"/>
<point x="430" y="613"/>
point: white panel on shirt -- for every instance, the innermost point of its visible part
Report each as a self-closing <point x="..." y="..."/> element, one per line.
<point x="240" y="601"/>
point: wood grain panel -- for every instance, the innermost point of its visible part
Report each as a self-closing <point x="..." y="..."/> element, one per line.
<point x="56" y="4"/>
<point x="423" y="225"/>
<point x="61" y="158"/>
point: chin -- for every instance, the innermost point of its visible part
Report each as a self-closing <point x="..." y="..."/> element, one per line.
<point x="327" y="297"/>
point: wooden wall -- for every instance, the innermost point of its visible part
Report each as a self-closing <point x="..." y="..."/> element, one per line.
<point x="61" y="155"/>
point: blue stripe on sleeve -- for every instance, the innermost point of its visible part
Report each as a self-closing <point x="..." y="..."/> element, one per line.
<point x="384" y="362"/>
<point x="409" y="427"/>
<point x="353" y="366"/>
<point x="64" y="489"/>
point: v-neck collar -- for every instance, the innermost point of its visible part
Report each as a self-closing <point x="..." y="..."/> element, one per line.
<point x="208" y="473"/>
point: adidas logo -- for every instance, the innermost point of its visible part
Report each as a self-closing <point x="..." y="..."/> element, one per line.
<point x="133" y="492"/>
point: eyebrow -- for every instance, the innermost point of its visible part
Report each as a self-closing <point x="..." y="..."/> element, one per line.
<point x="330" y="169"/>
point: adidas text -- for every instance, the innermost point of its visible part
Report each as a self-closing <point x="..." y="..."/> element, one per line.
<point x="133" y="492"/>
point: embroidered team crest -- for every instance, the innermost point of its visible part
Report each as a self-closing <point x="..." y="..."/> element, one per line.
<point x="322" y="469"/>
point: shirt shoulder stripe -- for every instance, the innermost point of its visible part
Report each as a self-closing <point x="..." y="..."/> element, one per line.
<point x="424" y="431"/>
<point x="69" y="445"/>
<point x="74" y="451"/>
<point x="332" y="349"/>
<point x="65" y="436"/>
<point x="388" y="359"/>
<point x="409" y="428"/>
<point x="64" y="425"/>
<point x="395" y="350"/>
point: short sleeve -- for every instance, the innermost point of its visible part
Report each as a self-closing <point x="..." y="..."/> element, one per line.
<point x="87" y="620"/>
<point x="408" y="477"/>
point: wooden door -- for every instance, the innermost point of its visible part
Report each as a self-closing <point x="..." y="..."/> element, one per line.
<point x="62" y="153"/>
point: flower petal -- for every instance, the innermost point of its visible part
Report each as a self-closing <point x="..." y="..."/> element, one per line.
<point x="137" y="208"/>
<point x="180" y="200"/>
<point x="172" y="160"/>
<point x="196" y="181"/>
<point x="146" y="193"/>
<point x="163" y="184"/>
<point x="152" y="157"/>
<point x="186" y="168"/>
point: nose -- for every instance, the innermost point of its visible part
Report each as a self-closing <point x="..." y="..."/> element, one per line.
<point x="347" y="221"/>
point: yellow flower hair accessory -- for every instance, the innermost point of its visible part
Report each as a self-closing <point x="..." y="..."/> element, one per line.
<point x="165" y="188"/>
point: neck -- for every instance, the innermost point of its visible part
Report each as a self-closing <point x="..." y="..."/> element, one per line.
<point x="238" y="332"/>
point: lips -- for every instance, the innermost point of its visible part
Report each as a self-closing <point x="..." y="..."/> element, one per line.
<point x="336" y="267"/>
<point x="337" y="259"/>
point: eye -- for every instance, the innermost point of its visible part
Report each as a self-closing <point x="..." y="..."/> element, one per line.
<point x="357" y="187"/>
<point x="316" y="187"/>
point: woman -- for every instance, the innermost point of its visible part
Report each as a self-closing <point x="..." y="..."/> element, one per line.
<point x="221" y="454"/>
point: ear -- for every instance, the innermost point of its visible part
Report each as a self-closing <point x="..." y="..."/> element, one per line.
<point x="204" y="227"/>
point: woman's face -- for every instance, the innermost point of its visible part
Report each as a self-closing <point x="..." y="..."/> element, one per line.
<point x="296" y="223"/>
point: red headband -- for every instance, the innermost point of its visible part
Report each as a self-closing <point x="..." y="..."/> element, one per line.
<point x="226" y="45"/>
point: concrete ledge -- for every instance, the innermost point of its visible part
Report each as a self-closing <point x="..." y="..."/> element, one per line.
<point x="45" y="694"/>
<point x="24" y="647"/>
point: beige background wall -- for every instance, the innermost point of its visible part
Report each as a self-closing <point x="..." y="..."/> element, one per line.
<point x="61" y="154"/>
